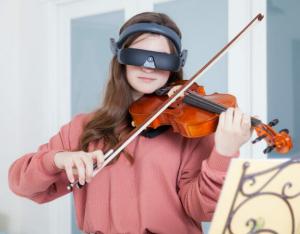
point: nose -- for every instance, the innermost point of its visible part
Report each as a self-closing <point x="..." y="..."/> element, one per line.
<point x="147" y="70"/>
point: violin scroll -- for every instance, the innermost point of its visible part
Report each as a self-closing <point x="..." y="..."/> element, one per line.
<point x="281" y="142"/>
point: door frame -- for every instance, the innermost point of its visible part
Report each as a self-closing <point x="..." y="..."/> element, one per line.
<point x="247" y="65"/>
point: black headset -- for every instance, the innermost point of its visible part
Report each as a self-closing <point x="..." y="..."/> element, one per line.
<point x="147" y="58"/>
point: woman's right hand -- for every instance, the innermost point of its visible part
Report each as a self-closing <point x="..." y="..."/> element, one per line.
<point x="79" y="164"/>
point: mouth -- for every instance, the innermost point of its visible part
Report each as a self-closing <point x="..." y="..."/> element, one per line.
<point x="146" y="79"/>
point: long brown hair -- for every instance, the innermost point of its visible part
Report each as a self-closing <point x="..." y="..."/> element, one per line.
<point x="114" y="110"/>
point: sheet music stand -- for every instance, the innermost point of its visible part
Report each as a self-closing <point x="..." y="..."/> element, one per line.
<point x="259" y="196"/>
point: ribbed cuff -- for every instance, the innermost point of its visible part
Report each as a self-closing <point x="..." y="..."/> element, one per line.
<point x="48" y="162"/>
<point x="218" y="161"/>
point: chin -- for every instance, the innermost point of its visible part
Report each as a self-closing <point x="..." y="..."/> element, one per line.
<point x="147" y="91"/>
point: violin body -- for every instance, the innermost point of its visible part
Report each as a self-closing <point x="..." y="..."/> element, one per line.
<point x="187" y="120"/>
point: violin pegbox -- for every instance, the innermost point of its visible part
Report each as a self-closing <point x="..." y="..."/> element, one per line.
<point x="281" y="142"/>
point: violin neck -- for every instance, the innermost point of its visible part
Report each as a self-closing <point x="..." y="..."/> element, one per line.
<point x="196" y="100"/>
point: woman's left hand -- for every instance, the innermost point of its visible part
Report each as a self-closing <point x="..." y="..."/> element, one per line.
<point x="174" y="89"/>
<point x="234" y="130"/>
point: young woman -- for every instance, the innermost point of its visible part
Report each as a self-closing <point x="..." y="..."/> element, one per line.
<point x="162" y="182"/>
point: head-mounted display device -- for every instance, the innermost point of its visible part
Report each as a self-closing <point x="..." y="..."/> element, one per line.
<point x="147" y="58"/>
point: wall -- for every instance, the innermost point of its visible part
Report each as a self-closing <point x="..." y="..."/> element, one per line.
<point x="283" y="68"/>
<point x="23" y="120"/>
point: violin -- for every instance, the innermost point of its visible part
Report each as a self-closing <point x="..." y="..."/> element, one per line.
<point x="197" y="115"/>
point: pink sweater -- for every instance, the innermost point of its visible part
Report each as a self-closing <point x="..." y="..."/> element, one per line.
<point x="173" y="184"/>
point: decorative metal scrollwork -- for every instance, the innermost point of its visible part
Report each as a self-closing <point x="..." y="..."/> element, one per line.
<point x="256" y="188"/>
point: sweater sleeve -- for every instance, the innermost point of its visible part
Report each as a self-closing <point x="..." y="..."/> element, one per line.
<point x="201" y="176"/>
<point x="35" y="175"/>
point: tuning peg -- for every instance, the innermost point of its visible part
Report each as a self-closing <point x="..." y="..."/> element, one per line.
<point x="273" y="122"/>
<point x="284" y="130"/>
<point x="258" y="139"/>
<point x="269" y="149"/>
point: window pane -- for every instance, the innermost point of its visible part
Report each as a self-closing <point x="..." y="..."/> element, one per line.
<point x="91" y="56"/>
<point x="283" y="53"/>
<point x="204" y="28"/>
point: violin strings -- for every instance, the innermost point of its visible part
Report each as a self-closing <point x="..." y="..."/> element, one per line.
<point x="202" y="102"/>
<point x="205" y="106"/>
<point x="197" y="100"/>
<point x="214" y="107"/>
